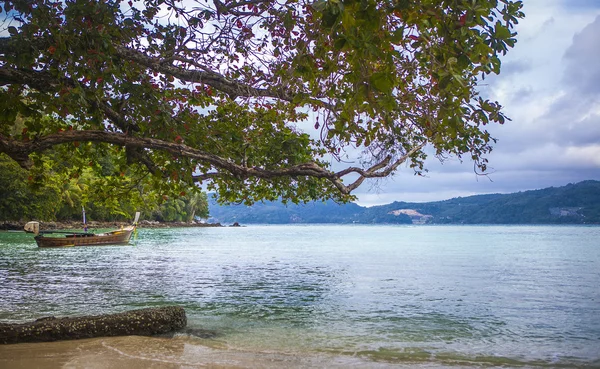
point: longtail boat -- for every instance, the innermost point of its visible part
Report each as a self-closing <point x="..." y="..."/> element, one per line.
<point x="67" y="238"/>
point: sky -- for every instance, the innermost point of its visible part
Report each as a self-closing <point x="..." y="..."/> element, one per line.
<point x="550" y="88"/>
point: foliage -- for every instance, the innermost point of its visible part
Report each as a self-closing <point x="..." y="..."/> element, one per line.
<point x="183" y="209"/>
<point x="60" y="191"/>
<point x="226" y="93"/>
<point x="572" y="204"/>
<point x="18" y="200"/>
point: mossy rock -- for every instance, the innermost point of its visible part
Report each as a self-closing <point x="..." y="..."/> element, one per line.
<point x="142" y="322"/>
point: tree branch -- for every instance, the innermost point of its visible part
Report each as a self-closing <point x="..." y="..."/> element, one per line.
<point x="44" y="82"/>
<point x="215" y="80"/>
<point x="19" y="151"/>
<point x="374" y="171"/>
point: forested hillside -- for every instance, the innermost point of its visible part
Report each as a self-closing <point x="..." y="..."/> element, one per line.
<point x="315" y="212"/>
<point x="571" y="204"/>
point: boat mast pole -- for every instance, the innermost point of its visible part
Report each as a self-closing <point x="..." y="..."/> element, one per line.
<point x="84" y="225"/>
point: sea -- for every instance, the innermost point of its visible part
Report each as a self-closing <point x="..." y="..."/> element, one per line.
<point x="319" y="296"/>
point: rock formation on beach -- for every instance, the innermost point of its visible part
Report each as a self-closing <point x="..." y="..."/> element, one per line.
<point x="142" y="322"/>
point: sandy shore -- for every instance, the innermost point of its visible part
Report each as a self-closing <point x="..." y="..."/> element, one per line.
<point x="136" y="352"/>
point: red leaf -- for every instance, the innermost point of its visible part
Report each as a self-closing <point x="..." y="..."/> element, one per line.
<point x="413" y="37"/>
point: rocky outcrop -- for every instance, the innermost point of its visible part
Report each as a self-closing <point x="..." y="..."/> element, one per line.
<point x="143" y="322"/>
<point x="11" y="226"/>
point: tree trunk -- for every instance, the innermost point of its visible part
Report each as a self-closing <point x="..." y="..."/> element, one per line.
<point x="143" y="322"/>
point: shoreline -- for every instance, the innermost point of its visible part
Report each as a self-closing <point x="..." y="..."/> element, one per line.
<point x="156" y="352"/>
<point x="44" y="226"/>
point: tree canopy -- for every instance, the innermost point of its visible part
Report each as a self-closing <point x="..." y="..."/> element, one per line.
<point x="251" y="98"/>
<point x="59" y="190"/>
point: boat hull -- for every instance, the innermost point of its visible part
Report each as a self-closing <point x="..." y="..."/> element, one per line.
<point x="117" y="237"/>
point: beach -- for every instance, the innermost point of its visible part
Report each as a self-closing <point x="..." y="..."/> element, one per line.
<point x="137" y="352"/>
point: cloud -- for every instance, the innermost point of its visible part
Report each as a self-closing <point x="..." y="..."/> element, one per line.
<point x="516" y="67"/>
<point x="583" y="60"/>
<point x="579" y="5"/>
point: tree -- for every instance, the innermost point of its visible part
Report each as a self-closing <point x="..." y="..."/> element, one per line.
<point x="196" y="205"/>
<point x="19" y="200"/>
<point x="227" y="93"/>
<point x="57" y="191"/>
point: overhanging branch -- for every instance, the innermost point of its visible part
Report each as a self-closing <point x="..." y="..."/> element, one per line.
<point x="375" y="171"/>
<point x="19" y="151"/>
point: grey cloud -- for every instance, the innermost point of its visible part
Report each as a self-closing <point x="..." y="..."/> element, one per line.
<point x="578" y="5"/>
<point x="583" y="60"/>
<point x="572" y="122"/>
<point x="521" y="95"/>
<point x="516" y="67"/>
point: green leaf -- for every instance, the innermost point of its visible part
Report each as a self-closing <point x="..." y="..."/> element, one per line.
<point x="383" y="81"/>
<point x="501" y="32"/>
<point x="348" y="20"/>
<point x="340" y="43"/>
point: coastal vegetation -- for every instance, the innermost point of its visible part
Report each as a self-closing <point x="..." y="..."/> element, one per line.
<point x="577" y="203"/>
<point x="60" y="191"/>
<point x="250" y="99"/>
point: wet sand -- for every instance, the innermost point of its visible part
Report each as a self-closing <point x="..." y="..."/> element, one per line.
<point x="137" y="352"/>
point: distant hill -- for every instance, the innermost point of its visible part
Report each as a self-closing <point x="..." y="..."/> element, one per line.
<point x="571" y="204"/>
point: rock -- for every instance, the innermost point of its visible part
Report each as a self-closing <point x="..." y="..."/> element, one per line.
<point x="48" y="225"/>
<point x="142" y="322"/>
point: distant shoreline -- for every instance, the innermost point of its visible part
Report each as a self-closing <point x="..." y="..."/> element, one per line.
<point x="73" y="225"/>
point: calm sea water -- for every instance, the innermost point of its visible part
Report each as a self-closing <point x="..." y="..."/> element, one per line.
<point x="352" y="295"/>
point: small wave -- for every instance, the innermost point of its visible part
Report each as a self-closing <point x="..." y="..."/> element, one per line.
<point x="198" y="333"/>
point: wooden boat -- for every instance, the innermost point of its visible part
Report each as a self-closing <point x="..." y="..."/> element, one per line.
<point x="66" y="238"/>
